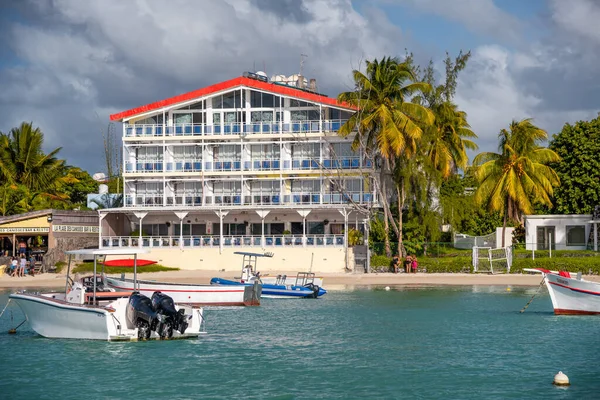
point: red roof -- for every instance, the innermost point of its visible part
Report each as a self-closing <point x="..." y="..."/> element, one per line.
<point x="232" y="83"/>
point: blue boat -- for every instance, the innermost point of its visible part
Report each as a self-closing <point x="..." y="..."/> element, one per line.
<point x="281" y="288"/>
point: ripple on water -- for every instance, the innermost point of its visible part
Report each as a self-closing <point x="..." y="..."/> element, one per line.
<point x="428" y="342"/>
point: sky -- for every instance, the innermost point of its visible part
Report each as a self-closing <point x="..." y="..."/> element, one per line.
<point x="66" y="65"/>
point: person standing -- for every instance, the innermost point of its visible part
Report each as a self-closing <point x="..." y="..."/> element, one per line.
<point x="414" y="265"/>
<point x="407" y="264"/>
<point x="14" y="266"/>
<point x="23" y="265"/>
<point x="22" y="247"/>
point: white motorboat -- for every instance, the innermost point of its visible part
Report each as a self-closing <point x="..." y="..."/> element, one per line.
<point x="81" y="313"/>
<point x="570" y="296"/>
<point x="205" y="295"/>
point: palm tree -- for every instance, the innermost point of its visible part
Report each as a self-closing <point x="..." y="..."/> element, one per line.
<point x="23" y="161"/>
<point x="512" y="180"/>
<point x="446" y="140"/>
<point x="386" y="124"/>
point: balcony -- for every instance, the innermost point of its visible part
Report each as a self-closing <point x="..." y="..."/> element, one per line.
<point x="306" y="164"/>
<point x="237" y="128"/>
<point x="262" y="199"/>
<point x="228" y="241"/>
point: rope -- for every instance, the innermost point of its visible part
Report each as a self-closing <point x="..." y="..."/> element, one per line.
<point x="2" y="313"/>
<point x="532" y="297"/>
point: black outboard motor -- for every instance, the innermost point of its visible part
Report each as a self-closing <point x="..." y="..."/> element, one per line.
<point x="140" y="314"/>
<point x="170" y="318"/>
<point x="314" y="288"/>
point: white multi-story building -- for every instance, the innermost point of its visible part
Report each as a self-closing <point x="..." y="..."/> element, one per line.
<point x="246" y="163"/>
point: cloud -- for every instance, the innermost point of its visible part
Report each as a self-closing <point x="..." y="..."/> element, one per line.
<point x="479" y="16"/>
<point x="74" y="60"/>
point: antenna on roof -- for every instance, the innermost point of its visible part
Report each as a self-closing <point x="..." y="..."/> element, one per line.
<point x="302" y="57"/>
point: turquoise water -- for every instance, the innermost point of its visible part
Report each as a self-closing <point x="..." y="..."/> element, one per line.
<point x="430" y="342"/>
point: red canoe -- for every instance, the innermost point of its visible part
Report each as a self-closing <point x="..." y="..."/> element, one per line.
<point x="128" y="262"/>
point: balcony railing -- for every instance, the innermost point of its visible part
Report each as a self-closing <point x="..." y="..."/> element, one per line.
<point x="260" y="199"/>
<point x="344" y="163"/>
<point x="228" y="241"/>
<point x="237" y="128"/>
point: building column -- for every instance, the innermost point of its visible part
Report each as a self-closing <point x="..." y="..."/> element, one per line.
<point x="595" y="236"/>
<point x="140" y="216"/>
<point x="221" y="214"/>
<point x="345" y="213"/>
<point x="262" y="214"/>
<point x="100" y="219"/>
<point x="14" y="240"/>
<point x="366" y="225"/>
<point x="304" y="214"/>
<point x="181" y="215"/>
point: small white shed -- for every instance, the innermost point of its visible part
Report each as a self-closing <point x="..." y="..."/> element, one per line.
<point x="562" y="232"/>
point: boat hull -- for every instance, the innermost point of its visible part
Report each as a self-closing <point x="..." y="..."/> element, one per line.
<point x="198" y="295"/>
<point x="54" y="318"/>
<point x="573" y="296"/>
<point x="274" y="291"/>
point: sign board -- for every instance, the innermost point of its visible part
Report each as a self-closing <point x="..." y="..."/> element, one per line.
<point x="75" y="229"/>
<point x="24" y="230"/>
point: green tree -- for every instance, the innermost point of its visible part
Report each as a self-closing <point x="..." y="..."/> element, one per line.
<point x="512" y="180"/>
<point x="446" y="141"/>
<point x="386" y="124"/>
<point x="578" y="146"/>
<point x="23" y="161"/>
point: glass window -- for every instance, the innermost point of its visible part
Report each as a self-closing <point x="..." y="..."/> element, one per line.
<point x="316" y="228"/>
<point x="217" y="118"/>
<point x="198" y="117"/>
<point x="149" y="154"/>
<point x="334" y="113"/>
<point x="156" y="119"/>
<point x="314" y="115"/>
<point x="182" y="118"/>
<point x="197" y="106"/>
<point x="198" y="229"/>
<point x="264" y="151"/>
<point x="341" y="150"/>
<point x="576" y="235"/>
<point x="227" y="152"/>
<point x="306" y="186"/>
<point x="305" y="150"/>
<point x="299" y="103"/>
<point x="297" y="115"/>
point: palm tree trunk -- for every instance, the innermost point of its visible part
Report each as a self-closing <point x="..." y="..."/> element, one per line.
<point x="386" y="224"/>
<point x="401" y="196"/>
<point x="504" y="223"/>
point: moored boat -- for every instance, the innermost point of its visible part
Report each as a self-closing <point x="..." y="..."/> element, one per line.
<point x="81" y="313"/>
<point x="570" y="296"/>
<point x="303" y="286"/>
<point x="205" y="295"/>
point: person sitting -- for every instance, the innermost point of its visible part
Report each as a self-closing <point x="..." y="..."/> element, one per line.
<point x="395" y="264"/>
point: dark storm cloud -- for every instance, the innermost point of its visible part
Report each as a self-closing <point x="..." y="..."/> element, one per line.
<point x="293" y="10"/>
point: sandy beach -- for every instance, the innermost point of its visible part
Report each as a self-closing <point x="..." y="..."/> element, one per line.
<point x="331" y="281"/>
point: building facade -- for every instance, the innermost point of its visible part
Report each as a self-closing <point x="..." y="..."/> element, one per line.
<point x="249" y="163"/>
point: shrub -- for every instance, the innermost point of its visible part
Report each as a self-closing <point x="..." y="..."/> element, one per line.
<point x="585" y="264"/>
<point x="88" y="267"/>
<point x="445" y="264"/>
<point x="59" y="266"/>
<point x="380" y="263"/>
